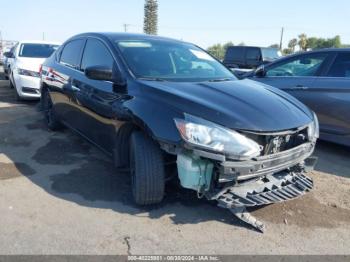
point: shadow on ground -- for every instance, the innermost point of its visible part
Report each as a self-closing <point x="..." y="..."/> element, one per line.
<point x="333" y="159"/>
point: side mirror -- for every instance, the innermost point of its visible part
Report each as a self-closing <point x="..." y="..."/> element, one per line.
<point x="305" y="61"/>
<point x="260" y="71"/>
<point x="104" y="73"/>
<point x="9" y="55"/>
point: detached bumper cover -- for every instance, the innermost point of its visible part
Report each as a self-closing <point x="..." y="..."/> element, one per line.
<point x="270" y="189"/>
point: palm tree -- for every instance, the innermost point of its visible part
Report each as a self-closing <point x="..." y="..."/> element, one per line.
<point x="150" y="24"/>
<point x="303" y="42"/>
<point x="292" y="44"/>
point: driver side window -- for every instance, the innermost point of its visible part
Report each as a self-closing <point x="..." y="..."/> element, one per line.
<point x="306" y="65"/>
<point x="96" y="54"/>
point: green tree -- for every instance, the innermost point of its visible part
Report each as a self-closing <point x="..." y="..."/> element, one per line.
<point x="150" y="24"/>
<point x="287" y="51"/>
<point x="227" y="45"/>
<point x="219" y="50"/>
<point x="319" y="43"/>
<point x="335" y="42"/>
<point x="303" y="42"/>
<point x="313" y="42"/>
<point x="292" y="44"/>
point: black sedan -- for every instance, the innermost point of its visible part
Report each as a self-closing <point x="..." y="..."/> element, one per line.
<point x="319" y="79"/>
<point x="166" y="109"/>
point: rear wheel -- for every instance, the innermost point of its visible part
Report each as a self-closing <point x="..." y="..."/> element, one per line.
<point x="51" y="119"/>
<point x="147" y="169"/>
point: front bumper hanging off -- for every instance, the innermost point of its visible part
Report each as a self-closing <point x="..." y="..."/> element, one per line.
<point x="269" y="189"/>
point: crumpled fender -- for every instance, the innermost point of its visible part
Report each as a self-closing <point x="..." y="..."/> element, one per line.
<point x="153" y="117"/>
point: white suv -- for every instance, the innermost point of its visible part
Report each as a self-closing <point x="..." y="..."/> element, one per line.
<point x="28" y="57"/>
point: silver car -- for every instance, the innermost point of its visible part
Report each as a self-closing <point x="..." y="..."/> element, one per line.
<point x="321" y="80"/>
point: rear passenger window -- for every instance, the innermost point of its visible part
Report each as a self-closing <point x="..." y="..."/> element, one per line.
<point x="96" y="54"/>
<point x="341" y="66"/>
<point x="253" y="54"/>
<point x="235" y="53"/>
<point x="70" y="55"/>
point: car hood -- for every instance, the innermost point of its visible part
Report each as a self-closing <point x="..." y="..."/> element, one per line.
<point x="32" y="64"/>
<point x="237" y="104"/>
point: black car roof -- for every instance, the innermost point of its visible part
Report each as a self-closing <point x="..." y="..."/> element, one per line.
<point x="116" y="36"/>
<point x="250" y="46"/>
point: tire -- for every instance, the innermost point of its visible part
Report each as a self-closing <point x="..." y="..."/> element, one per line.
<point x="11" y="84"/>
<point x="51" y="119"/>
<point x="147" y="170"/>
<point x="121" y="152"/>
<point x="17" y="96"/>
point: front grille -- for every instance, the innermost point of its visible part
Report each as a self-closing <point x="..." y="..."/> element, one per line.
<point x="271" y="189"/>
<point x="279" y="142"/>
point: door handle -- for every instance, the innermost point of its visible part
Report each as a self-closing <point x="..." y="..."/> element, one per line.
<point x="75" y="89"/>
<point x="300" y="87"/>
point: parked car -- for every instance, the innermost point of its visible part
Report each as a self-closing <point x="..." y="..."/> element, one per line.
<point x="157" y="105"/>
<point x="319" y="79"/>
<point x="2" y="57"/>
<point x="8" y="62"/>
<point x="244" y="58"/>
<point x="27" y="58"/>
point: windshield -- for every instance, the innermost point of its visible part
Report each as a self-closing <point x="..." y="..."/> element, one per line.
<point x="37" y="50"/>
<point x="171" y="61"/>
<point x="271" y="53"/>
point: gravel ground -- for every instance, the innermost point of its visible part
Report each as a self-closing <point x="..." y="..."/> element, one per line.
<point x="60" y="195"/>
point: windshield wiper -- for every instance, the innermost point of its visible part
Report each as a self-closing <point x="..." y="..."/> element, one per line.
<point x="220" y="80"/>
<point x="152" y="79"/>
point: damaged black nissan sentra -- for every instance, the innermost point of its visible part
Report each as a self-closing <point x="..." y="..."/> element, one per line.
<point x="161" y="107"/>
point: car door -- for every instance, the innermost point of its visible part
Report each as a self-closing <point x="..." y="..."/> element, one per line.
<point x="94" y="98"/>
<point x="11" y="60"/>
<point x="331" y="93"/>
<point x="294" y="74"/>
<point x="297" y="76"/>
<point x="62" y="88"/>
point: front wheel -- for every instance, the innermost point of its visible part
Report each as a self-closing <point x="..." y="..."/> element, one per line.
<point x="51" y="119"/>
<point x="147" y="169"/>
<point x="11" y="83"/>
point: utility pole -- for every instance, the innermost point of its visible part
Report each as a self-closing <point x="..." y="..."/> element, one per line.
<point x="126" y="27"/>
<point x="282" y="32"/>
<point x="43" y="36"/>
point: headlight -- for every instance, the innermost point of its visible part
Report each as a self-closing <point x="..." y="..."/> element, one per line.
<point x="207" y="135"/>
<point x="313" y="129"/>
<point x="25" y="72"/>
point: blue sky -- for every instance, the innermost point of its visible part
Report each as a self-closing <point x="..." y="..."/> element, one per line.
<point x="204" y="22"/>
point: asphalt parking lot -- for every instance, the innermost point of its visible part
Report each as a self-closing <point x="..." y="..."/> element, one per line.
<point x="60" y="195"/>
